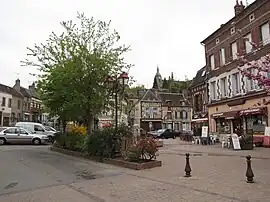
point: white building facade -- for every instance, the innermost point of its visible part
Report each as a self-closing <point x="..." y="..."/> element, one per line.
<point x="5" y="108"/>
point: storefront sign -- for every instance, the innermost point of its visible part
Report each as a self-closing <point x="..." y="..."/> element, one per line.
<point x="236" y="142"/>
<point x="205" y="131"/>
<point x="267" y="131"/>
<point x="251" y="111"/>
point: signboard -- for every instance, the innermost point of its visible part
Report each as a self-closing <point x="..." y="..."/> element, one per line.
<point x="205" y="131"/>
<point x="267" y="131"/>
<point x="235" y="142"/>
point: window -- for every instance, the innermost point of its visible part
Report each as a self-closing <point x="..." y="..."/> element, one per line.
<point x="175" y="115"/>
<point x="251" y="17"/>
<point x="9" y="103"/>
<point x="213" y="91"/>
<point x="222" y="56"/>
<point x="265" y="34"/>
<point x="3" y="102"/>
<point x="235" y="84"/>
<point x="248" y="41"/>
<point x="232" y="30"/>
<point x="22" y="131"/>
<point x="203" y="73"/>
<point x="234" y="50"/>
<point x="217" y="40"/>
<point x="223" y="87"/>
<point x="11" y="131"/>
<point x="19" y="104"/>
<point x="249" y="84"/>
<point x="183" y="114"/>
<point x="38" y="128"/>
<point x="212" y="62"/>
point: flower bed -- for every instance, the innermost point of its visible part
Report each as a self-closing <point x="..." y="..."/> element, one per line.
<point x="143" y="164"/>
<point x="106" y="144"/>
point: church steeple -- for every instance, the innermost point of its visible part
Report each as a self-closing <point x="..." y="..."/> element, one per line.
<point x="157" y="80"/>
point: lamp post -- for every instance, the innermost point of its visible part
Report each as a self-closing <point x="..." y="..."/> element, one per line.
<point x="117" y="85"/>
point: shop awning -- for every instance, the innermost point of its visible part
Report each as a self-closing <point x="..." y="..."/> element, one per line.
<point x="252" y="111"/>
<point x="226" y="115"/>
<point x="231" y="115"/>
<point x="218" y="115"/>
<point x="200" y="120"/>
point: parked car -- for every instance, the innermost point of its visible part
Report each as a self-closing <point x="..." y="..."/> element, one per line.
<point x="37" y="128"/>
<point x="17" y="135"/>
<point x="49" y="128"/>
<point x="164" y="133"/>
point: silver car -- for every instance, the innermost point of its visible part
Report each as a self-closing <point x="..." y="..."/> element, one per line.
<point x="17" y="135"/>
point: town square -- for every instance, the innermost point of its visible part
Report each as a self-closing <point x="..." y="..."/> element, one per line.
<point x="149" y="101"/>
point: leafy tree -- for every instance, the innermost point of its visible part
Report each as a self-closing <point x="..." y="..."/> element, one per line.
<point x="75" y="66"/>
<point x="134" y="89"/>
<point x="257" y="70"/>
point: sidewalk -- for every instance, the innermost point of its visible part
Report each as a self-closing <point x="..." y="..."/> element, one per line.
<point x="214" y="150"/>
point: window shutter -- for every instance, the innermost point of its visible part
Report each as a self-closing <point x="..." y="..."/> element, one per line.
<point x="255" y="35"/>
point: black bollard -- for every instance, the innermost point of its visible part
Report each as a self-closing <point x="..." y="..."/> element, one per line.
<point x="187" y="167"/>
<point x="249" y="173"/>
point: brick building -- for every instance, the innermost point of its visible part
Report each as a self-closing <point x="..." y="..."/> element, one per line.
<point x="235" y="102"/>
<point x="199" y="94"/>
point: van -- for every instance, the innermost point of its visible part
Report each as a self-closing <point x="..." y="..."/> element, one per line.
<point x="37" y="128"/>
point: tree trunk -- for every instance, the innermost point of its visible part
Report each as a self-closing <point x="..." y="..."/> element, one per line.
<point x="64" y="126"/>
<point x="90" y="124"/>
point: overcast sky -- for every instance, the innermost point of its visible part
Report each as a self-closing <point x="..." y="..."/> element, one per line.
<point x="166" y="33"/>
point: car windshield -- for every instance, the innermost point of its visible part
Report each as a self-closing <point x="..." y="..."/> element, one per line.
<point x="161" y="130"/>
<point x="2" y="128"/>
<point x="48" y="128"/>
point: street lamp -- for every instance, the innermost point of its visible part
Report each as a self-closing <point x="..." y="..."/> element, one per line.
<point x="117" y="85"/>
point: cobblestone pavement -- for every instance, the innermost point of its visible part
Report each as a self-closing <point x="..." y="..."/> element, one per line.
<point x="214" y="178"/>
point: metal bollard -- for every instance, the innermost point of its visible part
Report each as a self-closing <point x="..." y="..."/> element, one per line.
<point x="249" y="172"/>
<point x="187" y="167"/>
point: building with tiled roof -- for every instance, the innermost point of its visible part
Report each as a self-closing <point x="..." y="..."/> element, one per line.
<point x="10" y="105"/>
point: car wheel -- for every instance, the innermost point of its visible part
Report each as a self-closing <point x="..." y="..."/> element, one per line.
<point x="2" y="141"/>
<point x="36" y="141"/>
<point x="174" y="137"/>
<point x="50" y="139"/>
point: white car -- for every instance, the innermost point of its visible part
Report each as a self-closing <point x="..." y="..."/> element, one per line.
<point x="17" y="135"/>
<point x="37" y="128"/>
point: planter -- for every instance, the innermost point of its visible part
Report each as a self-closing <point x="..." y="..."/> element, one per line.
<point x="134" y="165"/>
<point x="116" y="162"/>
<point x="159" y="143"/>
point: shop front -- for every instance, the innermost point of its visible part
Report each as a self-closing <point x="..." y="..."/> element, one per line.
<point x="198" y="121"/>
<point x="239" y="116"/>
<point x="227" y="122"/>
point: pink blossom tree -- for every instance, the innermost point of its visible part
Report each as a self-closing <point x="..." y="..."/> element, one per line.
<point x="258" y="70"/>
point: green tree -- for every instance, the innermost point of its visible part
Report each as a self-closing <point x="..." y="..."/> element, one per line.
<point x="75" y="66"/>
<point x="134" y="89"/>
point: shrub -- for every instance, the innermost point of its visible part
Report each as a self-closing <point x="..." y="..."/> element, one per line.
<point x="144" y="149"/>
<point x="80" y="130"/>
<point x="99" y="143"/>
<point x="71" y="141"/>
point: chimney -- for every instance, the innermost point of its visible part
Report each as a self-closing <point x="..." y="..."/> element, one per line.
<point x="239" y="7"/>
<point x="17" y="85"/>
<point x="32" y="88"/>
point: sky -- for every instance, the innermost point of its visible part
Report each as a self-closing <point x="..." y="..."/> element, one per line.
<point x="163" y="33"/>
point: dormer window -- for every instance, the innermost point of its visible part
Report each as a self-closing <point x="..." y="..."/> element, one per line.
<point x="251" y="17"/>
<point x="217" y="41"/>
<point x="232" y="30"/>
<point x="203" y="73"/>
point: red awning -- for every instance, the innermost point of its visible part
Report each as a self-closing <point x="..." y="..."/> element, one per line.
<point x="252" y="111"/>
